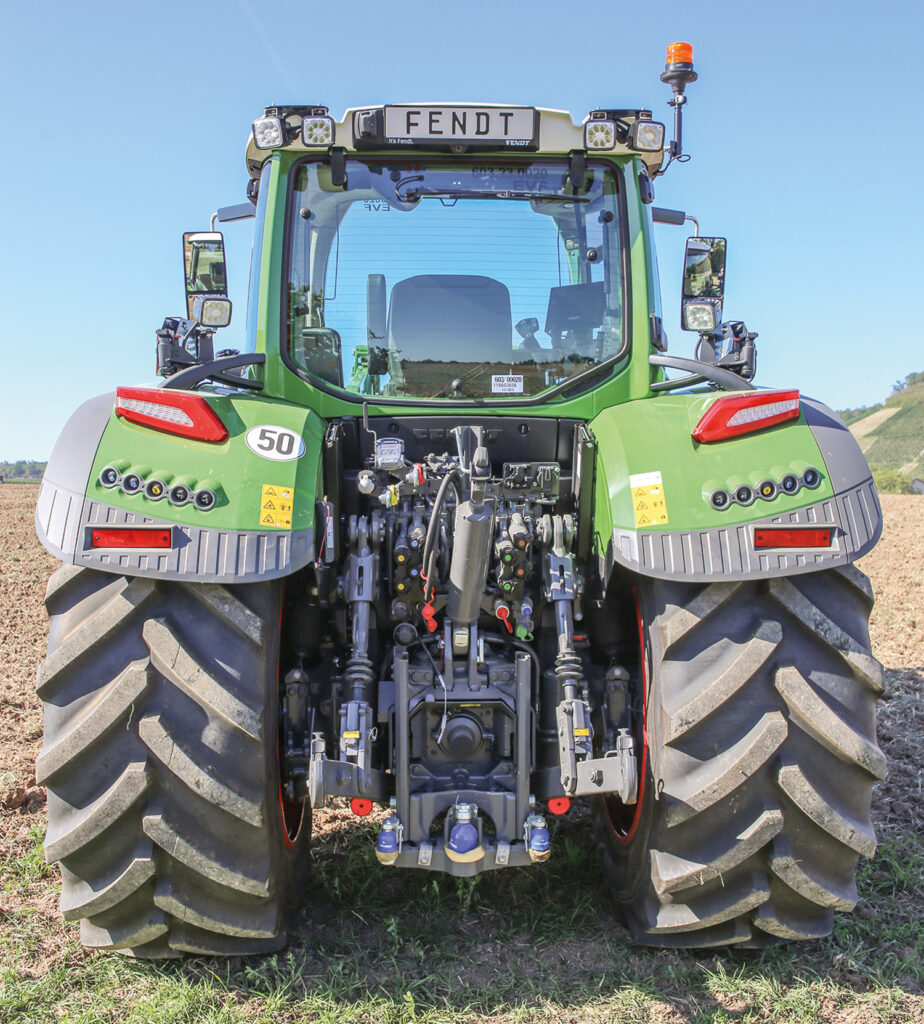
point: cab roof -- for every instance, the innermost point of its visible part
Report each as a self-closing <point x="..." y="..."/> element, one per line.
<point x="455" y="126"/>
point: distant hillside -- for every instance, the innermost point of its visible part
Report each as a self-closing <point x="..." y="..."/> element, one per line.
<point x="22" y="471"/>
<point x="891" y="435"/>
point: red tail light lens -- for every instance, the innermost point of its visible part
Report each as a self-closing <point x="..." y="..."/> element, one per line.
<point x="133" y="537"/>
<point x="792" y="537"/>
<point x="743" y="414"/>
<point x="360" y="807"/>
<point x="172" y="412"/>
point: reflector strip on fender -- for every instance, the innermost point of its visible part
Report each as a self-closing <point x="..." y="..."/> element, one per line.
<point x="134" y="537"/>
<point x="792" y="537"/>
<point x="743" y="414"/>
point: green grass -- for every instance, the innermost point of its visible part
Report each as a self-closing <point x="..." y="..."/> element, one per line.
<point x="517" y="946"/>
<point x="21" y="871"/>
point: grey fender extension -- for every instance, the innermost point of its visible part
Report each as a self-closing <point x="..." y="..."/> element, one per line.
<point x="198" y="554"/>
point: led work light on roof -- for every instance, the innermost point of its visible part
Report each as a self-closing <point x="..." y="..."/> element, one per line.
<point x="269" y="133"/>
<point x="281" y="125"/>
<point x="600" y="135"/>
<point x="318" y="131"/>
<point x="605" y="129"/>
<point x="646" y="136"/>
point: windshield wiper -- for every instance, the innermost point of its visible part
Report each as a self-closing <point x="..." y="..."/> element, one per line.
<point x="485" y="193"/>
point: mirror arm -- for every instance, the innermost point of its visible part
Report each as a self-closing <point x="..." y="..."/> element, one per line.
<point x="214" y="370"/>
<point x="725" y="379"/>
<point x="224" y="214"/>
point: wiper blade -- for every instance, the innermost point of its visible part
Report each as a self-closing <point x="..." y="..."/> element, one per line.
<point x="462" y="193"/>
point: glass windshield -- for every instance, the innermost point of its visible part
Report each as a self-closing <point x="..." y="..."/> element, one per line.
<point x="441" y="281"/>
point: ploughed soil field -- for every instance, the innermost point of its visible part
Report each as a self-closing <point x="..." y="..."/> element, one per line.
<point x="532" y="944"/>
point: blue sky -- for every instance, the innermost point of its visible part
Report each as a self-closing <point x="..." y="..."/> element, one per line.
<point x="125" y="124"/>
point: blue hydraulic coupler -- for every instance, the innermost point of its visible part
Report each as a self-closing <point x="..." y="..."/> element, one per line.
<point x="464" y="846"/>
<point x="537" y="838"/>
<point x="387" y="846"/>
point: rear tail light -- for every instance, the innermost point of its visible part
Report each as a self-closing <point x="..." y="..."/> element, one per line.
<point x="131" y="537"/>
<point x="172" y="412"/>
<point x="743" y="414"/>
<point x="792" y="537"/>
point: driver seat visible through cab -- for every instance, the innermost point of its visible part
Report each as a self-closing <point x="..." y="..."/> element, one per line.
<point x="440" y="325"/>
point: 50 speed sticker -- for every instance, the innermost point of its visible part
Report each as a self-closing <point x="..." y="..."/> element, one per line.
<point x="648" y="499"/>
<point x="276" y="506"/>
<point x="279" y="444"/>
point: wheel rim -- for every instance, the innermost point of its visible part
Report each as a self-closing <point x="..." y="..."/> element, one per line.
<point x="292" y="812"/>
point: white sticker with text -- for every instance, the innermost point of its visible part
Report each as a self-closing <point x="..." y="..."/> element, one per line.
<point x="507" y="383"/>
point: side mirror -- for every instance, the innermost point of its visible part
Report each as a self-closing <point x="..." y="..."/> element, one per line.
<point x="204" y="261"/>
<point x="703" y="283"/>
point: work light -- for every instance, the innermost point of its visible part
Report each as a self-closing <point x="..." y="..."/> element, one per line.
<point x="212" y="311"/>
<point x="700" y="316"/>
<point x="600" y="135"/>
<point x="318" y="131"/>
<point x="269" y="133"/>
<point x="646" y="136"/>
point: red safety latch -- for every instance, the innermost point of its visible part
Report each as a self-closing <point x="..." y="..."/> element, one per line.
<point x="429" y="616"/>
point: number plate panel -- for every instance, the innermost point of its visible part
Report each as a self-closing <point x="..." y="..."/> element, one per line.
<point x="506" y="126"/>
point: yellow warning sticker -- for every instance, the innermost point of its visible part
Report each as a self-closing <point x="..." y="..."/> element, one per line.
<point x="276" y="506"/>
<point x="648" y="499"/>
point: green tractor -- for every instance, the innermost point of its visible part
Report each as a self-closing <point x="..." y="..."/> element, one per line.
<point x="454" y="535"/>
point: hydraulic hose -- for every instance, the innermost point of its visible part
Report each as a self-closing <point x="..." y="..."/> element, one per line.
<point x="428" y="559"/>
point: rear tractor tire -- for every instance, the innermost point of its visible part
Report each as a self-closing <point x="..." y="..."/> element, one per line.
<point x="759" y="764"/>
<point x="160" y="759"/>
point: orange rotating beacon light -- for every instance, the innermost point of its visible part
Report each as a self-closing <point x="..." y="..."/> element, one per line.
<point x="678" y="73"/>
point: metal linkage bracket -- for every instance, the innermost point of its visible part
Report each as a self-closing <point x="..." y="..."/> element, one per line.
<point x="575" y="736"/>
<point x="559" y="577"/>
<point x="356" y="736"/>
<point x="327" y="777"/>
<point x="615" y="772"/>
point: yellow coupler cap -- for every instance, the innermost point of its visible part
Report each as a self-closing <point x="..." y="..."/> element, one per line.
<point x="465" y="858"/>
